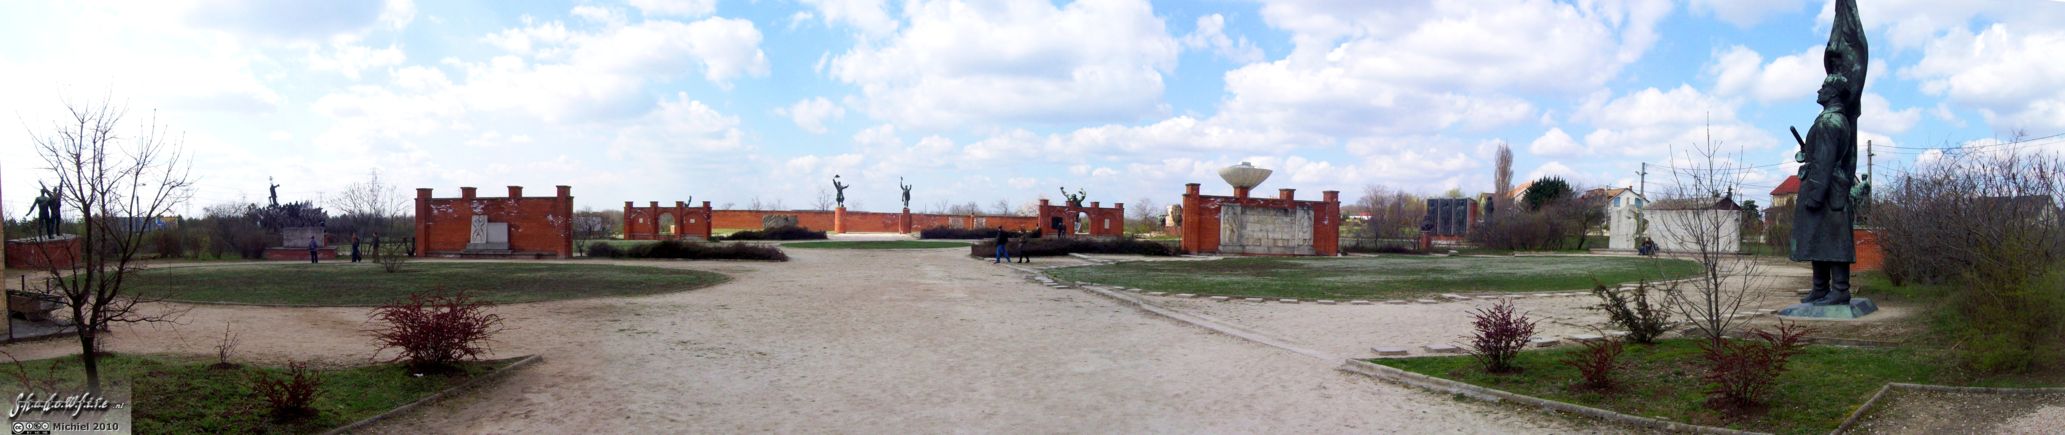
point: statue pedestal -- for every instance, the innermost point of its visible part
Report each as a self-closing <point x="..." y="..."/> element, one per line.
<point x="39" y="252"/>
<point x="903" y="224"/>
<point x="1858" y="307"/>
<point x="839" y="220"/>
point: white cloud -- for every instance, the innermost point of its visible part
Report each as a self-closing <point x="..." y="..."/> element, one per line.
<point x="350" y="59"/>
<point x="301" y="21"/>
<point x="558" y="73"/>
<point x="1020" y="62"/>
<point x="870" y="17"/>
<point x="679" y="124"/>
<point x="811" y="114"/>
<point x="1211" y="33"/>
<point x="1652" y="122"/>
<point x="2012" y="75"/>
<point x="689" y="8"/>
<point x="1747" y="13"/>
<point x="1878" y="116"/>
<point x="1552" y="168"/>
<point x="1554" y="143"/>
<point x="1741" y="71"/>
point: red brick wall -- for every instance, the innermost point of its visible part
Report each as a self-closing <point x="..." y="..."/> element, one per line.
<point x="1869" y="255"/>
<point x="643" y="223"/>
<point x="865" y="222"/>
<point x="1103" y="221"/>
<point x="41" y="255"/>
<point x="536" y="224"/>
<point x="1200" y="229"/>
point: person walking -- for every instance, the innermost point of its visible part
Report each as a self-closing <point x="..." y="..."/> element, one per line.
<point x="1003" y="245"/>
<point x="376" y="246"/>
<point x="311" y="250"/>
<point x="1018" y="247"/>
<point x="354" y="248"/>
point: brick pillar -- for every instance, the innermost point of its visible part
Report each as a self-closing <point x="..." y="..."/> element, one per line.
<point x="422" y="219"/>
<point x="565" y="204"/>
<point x="464" y="212"/>
<point x="1326" y="238"/>
<point x="1190" y="211"/>
<point x="1287" y="194"/>
<point x="839" y="220"/>
<point x="515" y="192"/>
<point x="680" y="220"/>
<point x="709" y="221"/>
<point x="904" y="225"/>
<point x="1040" y="218"/>
<point x="1120" y="229"/>
<point x="628" y="228"/>
<point x="1240" y="192"/>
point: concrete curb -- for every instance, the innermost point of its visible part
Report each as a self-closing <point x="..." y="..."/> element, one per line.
<point x="470" y="384"/>
<point x="1850" y="423"/>
<point x="1440" y="385"/>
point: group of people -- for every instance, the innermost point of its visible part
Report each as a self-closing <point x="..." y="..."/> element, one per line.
<point x="1009" y="243"/>
<point x="315" y="248"/>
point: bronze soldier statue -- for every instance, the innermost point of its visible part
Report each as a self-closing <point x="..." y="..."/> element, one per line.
<point x="1825" y="213"/>
<point x="836" y="185"/>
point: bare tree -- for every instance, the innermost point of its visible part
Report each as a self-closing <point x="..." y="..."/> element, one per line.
<point x="1711" y="300"/>
<point x="1001" y="208"/>
<point x="370" y="204"/>
<point x="824" y="200"/>
<point x="106" y="178"/>
<point x="1392" y="212"/>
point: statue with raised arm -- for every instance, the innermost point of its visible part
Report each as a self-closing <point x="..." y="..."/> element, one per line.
<point x="841" y="187"/>
<point x="1075" y="199"/>
<point x="1826" y="213"/>
<point x="275" y="196"/>
<point x="906" y="192"/>
<point x="41" y="207"/>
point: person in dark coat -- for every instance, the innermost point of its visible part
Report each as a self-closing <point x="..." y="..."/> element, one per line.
<point x="1003" y="245"/>
<point x="311" y="250"/>
<point x="1018" y="247"/>
<point x="354" y="248"/>
<point x="1823" y="215"/>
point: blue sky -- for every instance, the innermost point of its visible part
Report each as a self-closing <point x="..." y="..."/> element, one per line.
<point x="987" y="101"/>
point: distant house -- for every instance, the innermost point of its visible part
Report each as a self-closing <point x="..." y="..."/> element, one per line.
<point x="1786" y="192"/>
<point x="1623" y="215"/>
<point x="1682" y="225"/>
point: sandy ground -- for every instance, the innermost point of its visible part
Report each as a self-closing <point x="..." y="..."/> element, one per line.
<point x="1935" y="412"/>
<point x="861" y="342"/>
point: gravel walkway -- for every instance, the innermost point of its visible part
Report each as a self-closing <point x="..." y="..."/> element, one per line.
<point x="921" y="341"/>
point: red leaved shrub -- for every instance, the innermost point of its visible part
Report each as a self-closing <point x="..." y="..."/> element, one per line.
<point x="1596" y="363"/>
<point x="1501" y="335"/>
<point x="291" y="398"/>
<point x="1741" y="373"/>
<point x="437" y="330"/>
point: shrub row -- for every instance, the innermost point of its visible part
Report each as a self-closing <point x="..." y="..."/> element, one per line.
<point x="959" y="233"/>
<point x="670" y="249"/>
<point x="1080" y="245"/>
<point x="778" y="233"/>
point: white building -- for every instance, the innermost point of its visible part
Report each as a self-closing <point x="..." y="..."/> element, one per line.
<point x="1685" y="225"/>
<point x="1623" y="216"/>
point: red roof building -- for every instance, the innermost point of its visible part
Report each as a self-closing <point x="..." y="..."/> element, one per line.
<point x="1783" y="195"/>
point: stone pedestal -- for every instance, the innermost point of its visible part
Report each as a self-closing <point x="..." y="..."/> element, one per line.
<point x="1858" y="307"/>
<point x="839" y="220"/>
<point x="903" y="224"/>
<point x="35" y="253"/>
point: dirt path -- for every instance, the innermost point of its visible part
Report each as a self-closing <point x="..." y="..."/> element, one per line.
<point x="863" y="341"/>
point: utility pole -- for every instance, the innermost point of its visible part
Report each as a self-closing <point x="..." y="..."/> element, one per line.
<point x="1644" y="173"/>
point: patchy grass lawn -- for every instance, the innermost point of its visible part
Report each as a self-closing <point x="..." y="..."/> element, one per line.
<point x="885" y="244"/>
<point x="1383" y="277"/>
<point x="184" y="395"/>
<point x="1821" y="387"/>
<point x="344" y="284"/>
